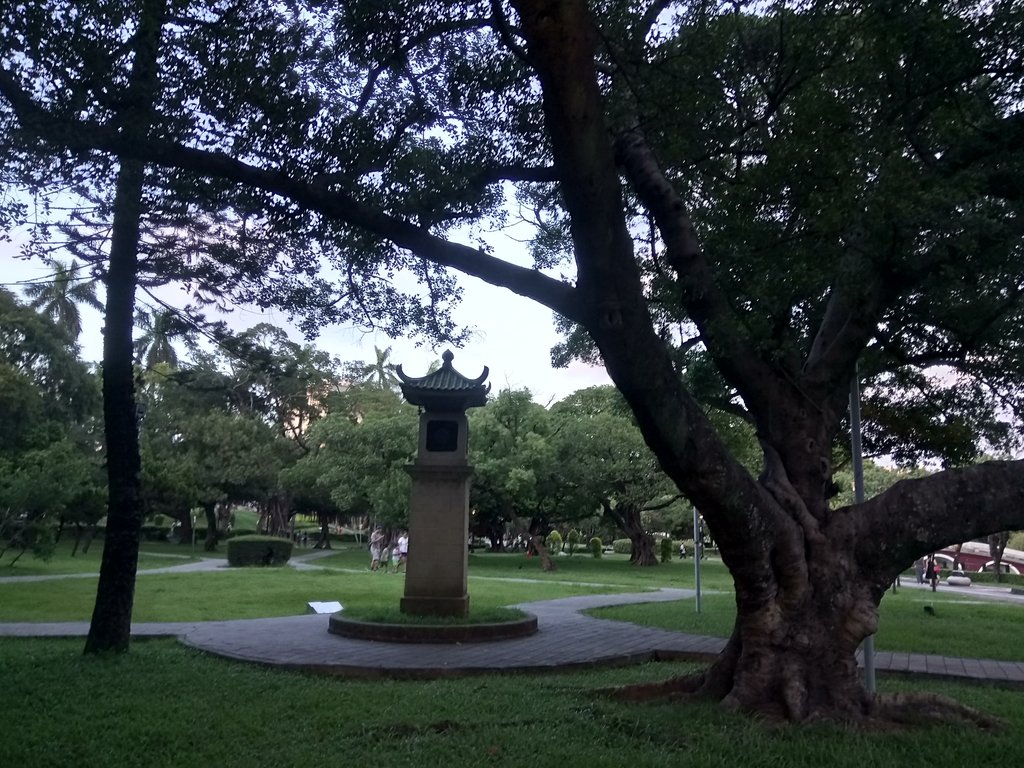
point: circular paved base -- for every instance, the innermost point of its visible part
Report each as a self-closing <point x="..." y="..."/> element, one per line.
<point x="432" y="633"/>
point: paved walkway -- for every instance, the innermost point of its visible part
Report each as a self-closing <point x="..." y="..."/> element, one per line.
<point x="566" y="638"/>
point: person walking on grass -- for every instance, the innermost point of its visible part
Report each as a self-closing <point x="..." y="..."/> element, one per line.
<point x="376" y="547"/>
<point x="403" y="551"/>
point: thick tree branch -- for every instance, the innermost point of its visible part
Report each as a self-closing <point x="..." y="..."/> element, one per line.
<point x="562" y="43"/>
<point x="915" y="517"/>
<point x="83" y="136"/>
<point x="705" y="303"/>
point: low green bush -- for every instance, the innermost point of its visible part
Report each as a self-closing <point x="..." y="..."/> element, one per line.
<point x="572" y="539"/>
<point x="622" y="547"/>
<point x="596" y="547"/>
<point x="988" y="577"/>
<point x="154" y="532"/>
<point x="258" y="550"/>
<point x="554" y="542"/>
<point x="666" y="550"/>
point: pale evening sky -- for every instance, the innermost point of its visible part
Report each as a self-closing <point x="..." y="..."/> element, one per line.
<point x="513" y="335"/>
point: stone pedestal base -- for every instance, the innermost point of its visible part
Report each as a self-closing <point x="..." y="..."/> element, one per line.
<point x="435" y="581"/>
<point x="426" y="605"/>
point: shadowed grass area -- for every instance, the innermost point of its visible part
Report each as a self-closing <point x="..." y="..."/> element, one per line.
<point x="165" y="706"/>
<point x="958" y="625"/>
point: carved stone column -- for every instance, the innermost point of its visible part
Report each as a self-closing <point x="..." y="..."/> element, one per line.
<point x="435" y="582"/>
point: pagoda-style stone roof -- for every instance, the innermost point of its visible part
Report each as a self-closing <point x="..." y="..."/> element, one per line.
<point x="445" y="389"/>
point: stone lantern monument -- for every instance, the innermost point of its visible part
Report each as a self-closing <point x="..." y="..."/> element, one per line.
<point x="435" y="582"/>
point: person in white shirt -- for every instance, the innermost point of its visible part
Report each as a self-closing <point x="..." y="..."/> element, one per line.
<point x="403" y="550"/>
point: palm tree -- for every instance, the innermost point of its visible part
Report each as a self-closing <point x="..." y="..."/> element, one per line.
<point x="59" y="298"/>
<point x="158" y="328"/>
<point x="380" y="374"/>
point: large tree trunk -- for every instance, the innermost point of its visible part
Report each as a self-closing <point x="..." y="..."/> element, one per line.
<point x="187" y="530"/>
<point x="535" y="537"/>
<point x="796" y="660"/>
<point x="996" y="546"/>
<point x="276" y="515"/>
<point x="210" y="512"/>
<point x="628" y="519"/>
<point x="541" y="548"/>
<point x="110" y="628"/>
<point x="808" y="579"/>
<point x="324" y="539"/>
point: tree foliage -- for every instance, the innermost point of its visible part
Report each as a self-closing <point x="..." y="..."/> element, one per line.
<point x="49" y="449"/>
<point x="361" y="451"/>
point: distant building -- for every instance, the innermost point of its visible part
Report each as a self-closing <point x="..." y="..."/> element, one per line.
<point x="975" y="556"/>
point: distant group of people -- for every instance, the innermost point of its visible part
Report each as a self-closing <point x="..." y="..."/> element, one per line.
<point x="385" y="555"/>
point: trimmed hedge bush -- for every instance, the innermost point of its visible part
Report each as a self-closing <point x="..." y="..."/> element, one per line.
<point x="622" y="547"/>
<point x="554" y="542"/>
<point x="258" y="550"/>
<point x="666" y="550"/>
<point x="154" y="532"/>
<point x="596" y="547"/>
<point x="572" y="540"/>
<point x="989" y="577"/>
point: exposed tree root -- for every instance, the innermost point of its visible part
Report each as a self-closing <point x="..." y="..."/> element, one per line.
<point x="930" y="708"/>
<point x="890" y="711"/>
<point x="675" y="687"/>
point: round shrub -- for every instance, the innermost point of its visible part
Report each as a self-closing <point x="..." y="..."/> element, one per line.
<point x="666" y="550"/>
<point x="573" y="540"/>
<point x="596" y="547"/>
<point x="622" y="547"/>
<point x="258" y="550"/>
<point x="554" y="542"/>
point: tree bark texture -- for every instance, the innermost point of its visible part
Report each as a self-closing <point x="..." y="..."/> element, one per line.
<point x="808" y="579"/>
<point x="110" y="628"/>
<point x="627" y="518"/>
<point x="323" y="541"/>
<point x="210" y="511"/>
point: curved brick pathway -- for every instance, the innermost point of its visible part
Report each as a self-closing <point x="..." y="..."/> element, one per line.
<point x="565" y="638"/>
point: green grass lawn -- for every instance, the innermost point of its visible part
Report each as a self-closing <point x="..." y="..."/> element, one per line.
<point x="960" y="626"/>
<point x="151" y="555"/>
<point x="610" y="569"/>
<point x="247" y="593"/>
<point x="164" y="706"/>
